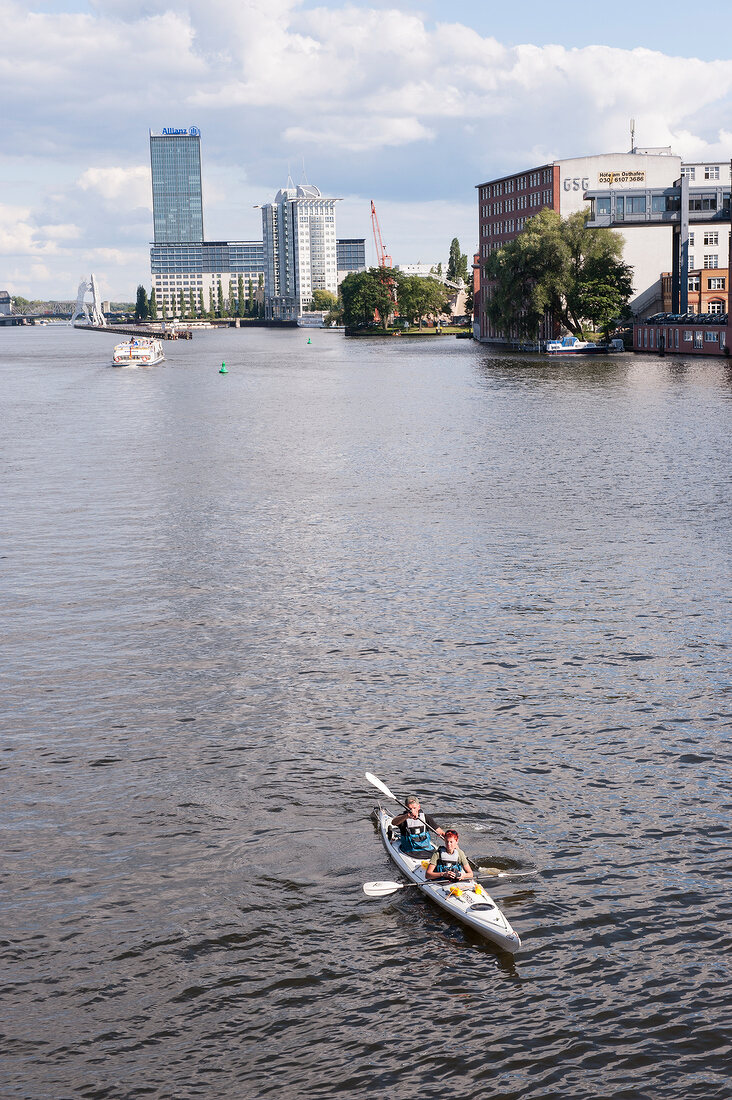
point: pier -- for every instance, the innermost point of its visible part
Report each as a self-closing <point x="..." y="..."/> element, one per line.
<point x="159" y="333"/>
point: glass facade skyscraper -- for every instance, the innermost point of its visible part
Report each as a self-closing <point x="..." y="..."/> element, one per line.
<point x="175" y="160"/>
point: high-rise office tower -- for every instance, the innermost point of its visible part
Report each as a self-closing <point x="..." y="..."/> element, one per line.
<point x="187" y="272"/>
<point x="175" y="160"/>
<point x="299" y="238"/>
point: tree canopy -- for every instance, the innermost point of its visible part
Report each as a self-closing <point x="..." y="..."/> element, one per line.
<point x="558" y="266"/>
<point x="324" y="300"/>
<point x="142" y="307"/>
<point x="418" y="298"/>
<point x="367" y="293"/>
<point x="457" y="264"/>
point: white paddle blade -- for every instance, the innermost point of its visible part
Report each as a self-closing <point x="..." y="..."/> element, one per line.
<point x="381" y="889"/>
<point x="380" y="786"/>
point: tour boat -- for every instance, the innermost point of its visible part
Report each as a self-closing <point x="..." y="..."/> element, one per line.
<point x="139" y="351"/>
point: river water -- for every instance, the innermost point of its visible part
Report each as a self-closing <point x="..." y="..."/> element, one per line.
<point x="498" y="582"/>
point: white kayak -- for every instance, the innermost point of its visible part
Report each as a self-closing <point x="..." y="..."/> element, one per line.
<point x="466" y="901"/>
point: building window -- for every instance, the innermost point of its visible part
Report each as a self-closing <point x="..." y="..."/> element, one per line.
<point x="691" y="265"/>
<point x="702" y="202"/>
<point x="711" y="171"/>
<point x="711" y="259"/>
<point x="711" y="337"/>
<point x="711" y="238"/>
<point x="715" y="306"/>
<point x="716" y="282"/>
<point x="676" y="337"/>
<point x="651" y="337"/>
<point x="698" y="339"/>
<point x="691" y="240"/>
<point x="689" y="172"/>
<point x="635" y="204"/>
<point x="687" y="335"/>
<point x="603" y="206"/>
<point x="645" y="337"/>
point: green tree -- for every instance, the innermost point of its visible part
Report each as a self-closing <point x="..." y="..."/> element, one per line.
<point x="419" y="298"/>
<point x="240" y="302"/>
<point x="469" y="295"/>
<point x="219" y="300"/>
<point x="181" y="302"/>
<point x="153" y="306"/>
<point x="369" y="294"/>
<point x="457" y="264"/>
<point x="260" y="304"/>
<point x="250" y="297"/>
<point x="142" y="306"/>
<point x="324" y="300"/>
<point x="210" y="304"/>
<point x="201" y="306"/>
<point x="560" y="267"/>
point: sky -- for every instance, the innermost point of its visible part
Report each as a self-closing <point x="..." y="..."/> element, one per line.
<point x="409" y="103"/>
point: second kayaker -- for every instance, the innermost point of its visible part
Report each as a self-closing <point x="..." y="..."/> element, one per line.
<point x="449" y="862"/>
<point x="413" y="827"/>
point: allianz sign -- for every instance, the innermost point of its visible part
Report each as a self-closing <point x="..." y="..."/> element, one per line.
<point x="192" y="131"/>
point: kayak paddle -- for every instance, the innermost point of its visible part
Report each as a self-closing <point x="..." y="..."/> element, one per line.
<point x="383" y="889"/>
<point x="375" y="782"/>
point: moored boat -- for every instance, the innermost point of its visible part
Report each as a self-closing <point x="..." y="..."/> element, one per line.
<point x="139" y="351"/>
<point x="468" y="902"/>
<point x="572" y="345"/>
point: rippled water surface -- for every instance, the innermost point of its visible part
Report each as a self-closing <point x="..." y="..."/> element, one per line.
<point x="501" y="583"/>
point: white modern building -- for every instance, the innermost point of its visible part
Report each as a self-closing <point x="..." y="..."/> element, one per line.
<point x="423" y="270"/>
<point x="687" y="221"/>
<point x="300" y="253"/>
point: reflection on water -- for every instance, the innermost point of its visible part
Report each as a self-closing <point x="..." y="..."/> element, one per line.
<point x="497" y="581"/>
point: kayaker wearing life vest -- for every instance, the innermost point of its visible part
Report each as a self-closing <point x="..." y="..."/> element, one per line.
<point x="449" y="862"/>
<point x="413" y="827"/>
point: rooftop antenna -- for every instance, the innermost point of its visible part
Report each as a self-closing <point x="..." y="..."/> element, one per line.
<point x="632" y="135"/>
<point x="304" y="174"/>
<point x="290" y="184"/>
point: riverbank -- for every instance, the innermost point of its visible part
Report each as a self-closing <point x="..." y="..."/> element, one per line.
<point x="463" y="331"/>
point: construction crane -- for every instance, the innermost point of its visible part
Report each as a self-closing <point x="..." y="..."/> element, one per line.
<point x="382" y="256"/>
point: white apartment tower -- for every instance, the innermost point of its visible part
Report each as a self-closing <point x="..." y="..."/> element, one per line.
<point x="299" y="238"/>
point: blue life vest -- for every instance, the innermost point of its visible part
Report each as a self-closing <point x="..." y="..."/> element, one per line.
<point x="416" y="837"/>
<point x="447" y="861"/>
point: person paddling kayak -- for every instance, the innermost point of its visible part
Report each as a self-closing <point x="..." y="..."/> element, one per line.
<point x="413" y="827"/>
<point x="449" y="862"/>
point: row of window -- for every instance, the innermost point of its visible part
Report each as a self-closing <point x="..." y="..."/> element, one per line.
<point x="699" y="337"/>
<point x="660" y="204"/>
<point x="500" y="229"/>
<point x="711" y="260"/>
<point x="711" y="171"/>
<point x="516" y="183"/>
<point x="710" y="238"/>
<point x="521" y="202"/>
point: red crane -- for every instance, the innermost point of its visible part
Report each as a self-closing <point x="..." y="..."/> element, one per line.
<point x="382" y="256"/>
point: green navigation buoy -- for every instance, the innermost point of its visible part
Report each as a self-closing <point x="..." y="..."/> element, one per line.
<point x="309" y="340"/>
<point x="223" y="369"/>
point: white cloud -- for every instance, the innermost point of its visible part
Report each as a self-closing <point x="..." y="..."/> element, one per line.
<point x="129" y="186"/>
<point x="358" y="134"/>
